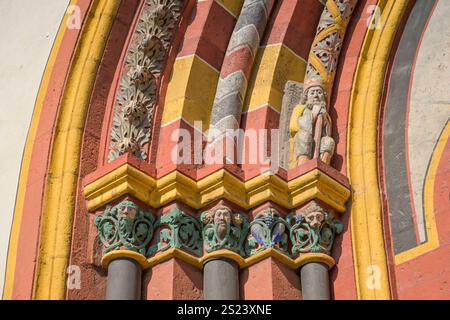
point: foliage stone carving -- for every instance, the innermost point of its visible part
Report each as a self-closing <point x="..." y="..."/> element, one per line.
<point x="125" y="226"/>
<point x="138" y="89"/>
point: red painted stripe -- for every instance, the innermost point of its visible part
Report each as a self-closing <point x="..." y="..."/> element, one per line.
<point x="208" y="33"/>
<point x="239" y="60"/>
<point x="294" y="24"/>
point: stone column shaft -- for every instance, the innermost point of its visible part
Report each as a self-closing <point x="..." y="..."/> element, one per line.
<point x="221" y="280"/>
<point x="124" y="280"/>
<point x="315" y="281"/>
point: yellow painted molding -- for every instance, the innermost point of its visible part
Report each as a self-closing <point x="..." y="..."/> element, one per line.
<point x="124" y="254"/>
<point x="190" y="91"/>
<point x="224" y="254"/>
<point x="366" y="216"/>
<point x="59" y="197"/>
<point x="199" y="262"/>
<point x="315" y="257"/>
<point x="221" y="184"/>
<point x="430" y="218"/>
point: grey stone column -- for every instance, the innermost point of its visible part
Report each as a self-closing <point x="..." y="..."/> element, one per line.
<point x="124" y="280"/>
<point x="221" y="280"/>
<point x="315" y="281"/>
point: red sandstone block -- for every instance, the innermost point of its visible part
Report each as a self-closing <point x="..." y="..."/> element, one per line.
<point x="208" y="33"/>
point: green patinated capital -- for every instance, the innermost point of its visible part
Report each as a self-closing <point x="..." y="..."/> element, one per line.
<point x="313" y="230"/>
<point x="267" y="230"/>
<point x="177" y="230"/>
<point x="125" y="226"/>
<point x="223" y="229"/>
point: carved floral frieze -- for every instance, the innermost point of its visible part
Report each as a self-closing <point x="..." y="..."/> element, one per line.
<point x="177" y="230"/>
<point x="126" y="226"/>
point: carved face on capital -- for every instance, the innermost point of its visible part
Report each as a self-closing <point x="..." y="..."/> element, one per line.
<point x="314" y="215"/>
<point x="127" y="211"/>
<point x="315" y="218"/>
<point x="222" y="218"/>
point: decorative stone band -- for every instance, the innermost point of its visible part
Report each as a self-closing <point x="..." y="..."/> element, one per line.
<point x="327" y="44"/>
<point x="238" y="64"/>
<point x="319" y="183"/>
<point x="224" y="233"/>
<point x="199" y="262"/>
<point x="138" y="89"/>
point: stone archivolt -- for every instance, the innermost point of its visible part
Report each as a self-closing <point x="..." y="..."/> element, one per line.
<point x="307" y="234"/>
<point x="127" y="228"/>
<point x="138" y="89"/>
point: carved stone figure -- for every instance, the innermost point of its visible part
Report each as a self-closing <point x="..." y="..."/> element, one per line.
<point x="311" y="125"/>
<point x="223" y="229"/>
<point x="125" y="226"/>
<point x="313" y="230"/>
<point x="267" y="230"/>
<point x="314" y="215"/>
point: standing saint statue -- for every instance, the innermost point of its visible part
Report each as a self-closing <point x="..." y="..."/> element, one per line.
<point x="311" y="125"/>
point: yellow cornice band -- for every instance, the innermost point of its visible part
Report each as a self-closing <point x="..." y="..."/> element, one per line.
<point x="221" y="184"/>
<point x="59" y="197"/>
<point x="369" y="253"/>
<point x="199" y="262"/>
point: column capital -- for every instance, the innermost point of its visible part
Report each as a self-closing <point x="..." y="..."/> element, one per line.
<point x="125" y="226"/>
<point x="224" y="229"/>
<point x="268" y="230"/>
<point x="313" y="229"/>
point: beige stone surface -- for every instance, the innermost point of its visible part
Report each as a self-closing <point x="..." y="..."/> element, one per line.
<point x="430" y="102"/>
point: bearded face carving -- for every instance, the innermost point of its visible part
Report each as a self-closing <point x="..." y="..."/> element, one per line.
<point x="128" y="211"/>
<point x="223" y="229"/>
<point x="222" y="218"/>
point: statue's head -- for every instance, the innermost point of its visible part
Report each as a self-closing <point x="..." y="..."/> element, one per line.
<point x="313" y="92"/>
